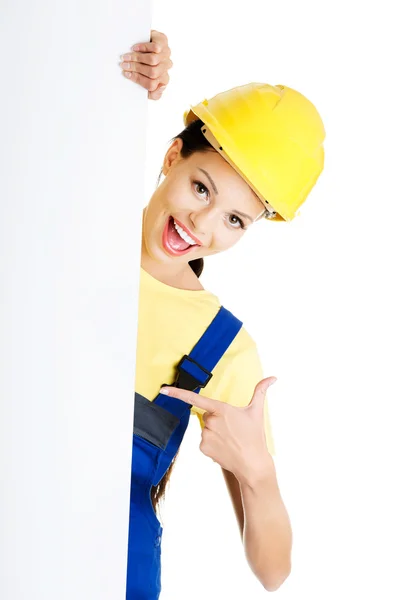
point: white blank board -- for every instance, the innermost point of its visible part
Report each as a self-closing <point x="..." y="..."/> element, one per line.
<point x="72" y="144"/>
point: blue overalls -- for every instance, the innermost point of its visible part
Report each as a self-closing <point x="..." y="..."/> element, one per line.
<point x="159" y="427"/>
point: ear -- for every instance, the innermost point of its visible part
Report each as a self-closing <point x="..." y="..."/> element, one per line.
<point x="173" y="155"/>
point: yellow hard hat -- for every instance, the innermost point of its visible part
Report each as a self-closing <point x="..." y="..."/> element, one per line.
<point x="272" y="136"/>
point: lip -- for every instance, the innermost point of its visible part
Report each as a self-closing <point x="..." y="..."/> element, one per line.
<point x="198" y="242"/>
<point x="166" y="246"/>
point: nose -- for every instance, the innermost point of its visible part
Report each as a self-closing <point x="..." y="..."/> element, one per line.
<point x="204" y="222"/>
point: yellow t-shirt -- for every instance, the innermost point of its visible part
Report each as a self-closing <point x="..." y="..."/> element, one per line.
<point x="171" y="321"/>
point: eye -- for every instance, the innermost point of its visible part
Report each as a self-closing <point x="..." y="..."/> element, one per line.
<point x="237" y="222"/>
<point x="202" y="190"/>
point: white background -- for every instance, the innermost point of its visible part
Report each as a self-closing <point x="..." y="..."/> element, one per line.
<point x="319" y="295"/>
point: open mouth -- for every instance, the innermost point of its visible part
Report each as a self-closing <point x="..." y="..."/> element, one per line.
<point x="176" y="240"/>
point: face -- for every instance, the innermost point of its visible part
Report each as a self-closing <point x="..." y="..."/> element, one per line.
<point x="202" y="207"/>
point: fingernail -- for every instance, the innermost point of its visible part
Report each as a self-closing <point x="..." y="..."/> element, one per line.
<point x="164" y="391"/>
<point x="128" y="74"/>
<point x="275" y="379"/>
<point x="136" y="48"/>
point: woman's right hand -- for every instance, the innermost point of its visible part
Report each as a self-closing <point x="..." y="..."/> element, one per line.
<point x="148" y="63"/>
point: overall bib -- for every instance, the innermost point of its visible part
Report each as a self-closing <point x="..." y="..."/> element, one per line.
<point x="159" y="427"/>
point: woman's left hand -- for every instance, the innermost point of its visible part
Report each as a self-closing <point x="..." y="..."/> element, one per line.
<point x="233" y="436"/>
<point x="148" y="63"/>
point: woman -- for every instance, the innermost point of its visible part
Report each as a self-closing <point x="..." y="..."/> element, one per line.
<point x="248" y="153"/>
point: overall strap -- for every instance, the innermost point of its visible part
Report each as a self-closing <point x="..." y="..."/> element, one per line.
<point x="194" y="372"/>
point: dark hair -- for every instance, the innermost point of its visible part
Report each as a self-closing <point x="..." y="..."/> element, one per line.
<point x="193" y="141"/>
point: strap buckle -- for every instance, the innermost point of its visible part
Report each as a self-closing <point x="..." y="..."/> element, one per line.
<point x="187" y="381"/>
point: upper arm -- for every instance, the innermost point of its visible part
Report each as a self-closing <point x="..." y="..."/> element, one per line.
<point x="236" y="497"/>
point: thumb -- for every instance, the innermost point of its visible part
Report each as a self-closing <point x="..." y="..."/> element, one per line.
<point x="260" y="390"/>
<point x="156" y="94"/>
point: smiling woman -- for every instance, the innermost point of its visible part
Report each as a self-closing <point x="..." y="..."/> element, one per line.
<point x="247" y="153"/>
<point x="195" y="206"/>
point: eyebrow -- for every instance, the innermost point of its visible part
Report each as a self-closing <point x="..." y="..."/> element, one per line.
<point x="214" y="187"/>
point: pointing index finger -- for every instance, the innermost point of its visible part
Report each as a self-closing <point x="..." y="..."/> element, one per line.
<point x="196" y="400"/>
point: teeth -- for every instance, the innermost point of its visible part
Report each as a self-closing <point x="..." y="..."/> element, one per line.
<point x="184" y="235"/>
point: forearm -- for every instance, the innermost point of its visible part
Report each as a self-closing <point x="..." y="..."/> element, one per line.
<point x="267" y="534"/>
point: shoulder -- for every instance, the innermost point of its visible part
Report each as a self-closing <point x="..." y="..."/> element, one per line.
<point x="245" y="356"/>
<point x="239" y="370"/>
<point x="243" y="346"/>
